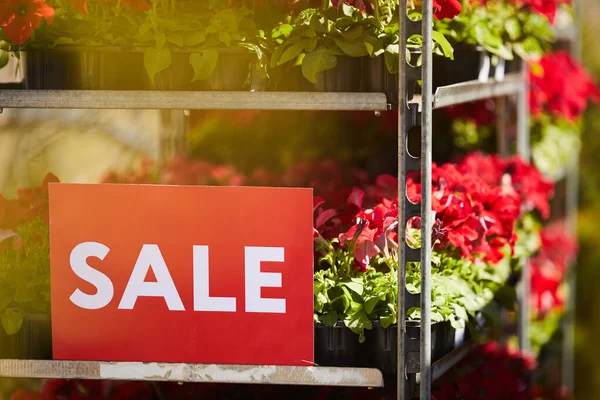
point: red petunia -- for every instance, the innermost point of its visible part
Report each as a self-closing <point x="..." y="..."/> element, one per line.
<point x="560" y="87"/>
<point x="446" y="9"/>
<point x="18" y="18"/>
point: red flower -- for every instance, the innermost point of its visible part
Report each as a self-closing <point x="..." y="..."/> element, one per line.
<point x="18" y="18"/>
<point x="446" y="9"/>
<point x="546" y="8"/>
<point x="560" y="87"/>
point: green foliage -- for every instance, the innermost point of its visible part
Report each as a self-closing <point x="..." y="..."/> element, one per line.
<point x="460" y="288"/>
<point x="24" y="275"/>
<point x="503" y="28"/>
<point x="557" y="144"/>
<point x="317" y="36"/>
<point x="198" y="26"/>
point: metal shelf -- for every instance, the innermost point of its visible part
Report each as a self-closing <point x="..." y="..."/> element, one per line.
<point x="444" y="364"/>
<point x="254" y="374"/>
<point x="170" y="100"/>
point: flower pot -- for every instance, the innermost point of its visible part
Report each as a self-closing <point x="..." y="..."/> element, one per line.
<point x="469" y="64"/>
<point x="382" y="345"/>
<point x="347" y="76"/>
<point x="112" y="68"/>
<point x="378" y="79"/>
<point x="32" y="342"/>
<point x="338" y="346"/>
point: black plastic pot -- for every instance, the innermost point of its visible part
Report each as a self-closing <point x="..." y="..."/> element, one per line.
<point x="347" y="76"/>
<point x="111" y="68"/>
<point x="338" y="346"/>
<point x="32" y="342"/>
<point x="469" y="64"/>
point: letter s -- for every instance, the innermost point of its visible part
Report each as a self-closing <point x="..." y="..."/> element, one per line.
<point x="103" y="284"/>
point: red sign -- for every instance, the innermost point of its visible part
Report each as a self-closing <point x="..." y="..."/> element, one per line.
<point x="181" y="274"/>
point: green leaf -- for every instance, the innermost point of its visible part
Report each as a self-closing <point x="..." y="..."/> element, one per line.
<point x="3" y="58"/>
<point x="156" y="60"/>
<point x="225" y="38"/>
<point x="291" y="53"/>
<point x="507" y="297"/>
<point x="513" y="27"/>
<point x="161" y="39"/>
<point x="353" y="49"/>
<point x="282" y="30"/>
<point x="353" y="33"/>
<point x="370" y="304"/>
<point x="194" y="38"/>
<point x="460" y="312"/>
<point x="317" y="61"/>
<point x="309" y="44"/>
<point x="391" y="58"/>
<point x="329" y="319"/>
<point x="204" y="63"/>
<point x="387" y="320"/>
<point x="355" y="287"/>
<point x="444" y="44"/>
<point x="175" y="38"/>
<point x="12" y="320"/>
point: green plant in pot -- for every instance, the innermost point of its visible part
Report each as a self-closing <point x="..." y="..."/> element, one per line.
<point x="25" y="274"/>
<point x="181" y="44"/>
<point x="340" y="36"/>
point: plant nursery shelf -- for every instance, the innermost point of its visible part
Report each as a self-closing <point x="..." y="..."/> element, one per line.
<point x="170" y="100"/>
<point x="465" y="92"/>
<point x="137" y="371"/>
<point x="115" y="99"/>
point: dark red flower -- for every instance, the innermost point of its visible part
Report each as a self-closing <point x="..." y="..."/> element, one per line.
<point x="18" y="18"/>
<point x="481" y="113"/>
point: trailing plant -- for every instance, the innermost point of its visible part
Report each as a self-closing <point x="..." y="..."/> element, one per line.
<point x="24" y="274"/>
<point x="315" y="38"/>
<point x="159" y="27"/>
<point x="502" y="27"/>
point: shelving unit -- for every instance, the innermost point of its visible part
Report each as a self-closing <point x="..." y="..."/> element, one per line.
<point x="255" y="374"/>
<point x="514" y="85"/>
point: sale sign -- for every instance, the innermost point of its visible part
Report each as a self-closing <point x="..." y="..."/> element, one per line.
<point x="181" y="274"/>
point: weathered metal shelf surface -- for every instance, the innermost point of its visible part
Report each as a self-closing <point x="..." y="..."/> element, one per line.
<point x="254" y="374"/>
<point x="465" y="92"/>
<point x="171" y="100"/>
<point x="116" y="99"/>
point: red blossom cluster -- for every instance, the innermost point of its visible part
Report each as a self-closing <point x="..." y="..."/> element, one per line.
<point x="560" y="87"/>
<point x="546" y="8"/>
<point x="446" y="9"/>
<point x="476" y="204"/>
<point x="29" y="205"/>
<point x="492" y="371"/>
<point x="549" y="267"/>
<point x="18" y="18"/>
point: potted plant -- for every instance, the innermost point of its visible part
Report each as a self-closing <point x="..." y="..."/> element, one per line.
<point x="133" y="44"/>
<point x="334" y="46"/>
<point x="488" y="34"/>
<point x="25" y="275"/>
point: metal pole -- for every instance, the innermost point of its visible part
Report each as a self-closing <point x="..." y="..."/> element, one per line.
<point x="524" y="150"/>
<point x="403" y="117"/>
<point x="426" y="222"/>
<point x="572" y="200"/>
<point x="501" y="144"/>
